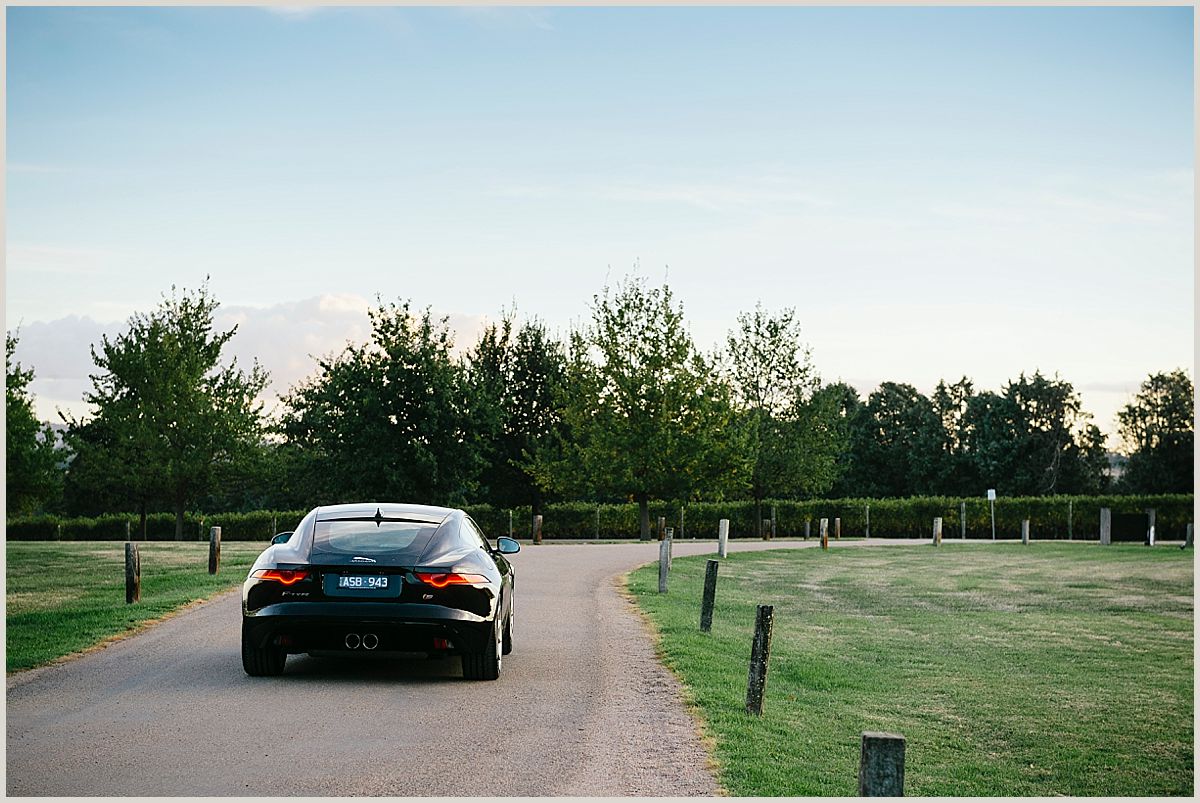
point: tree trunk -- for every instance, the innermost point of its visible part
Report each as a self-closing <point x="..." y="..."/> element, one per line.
<point x="178" y="520"/>
<point x="758" y="514"/>
<point x="644" y="511"/>
<point x="143" y="519"/>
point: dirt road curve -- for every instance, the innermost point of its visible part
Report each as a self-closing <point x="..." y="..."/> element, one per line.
<point x="581" y="708"/>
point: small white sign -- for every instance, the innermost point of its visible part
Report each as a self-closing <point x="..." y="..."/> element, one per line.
<point x="991" y="494"/>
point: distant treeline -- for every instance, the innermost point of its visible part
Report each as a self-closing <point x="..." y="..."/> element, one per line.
<point x="1051" y="517"/>
<point x="626" y="409"/>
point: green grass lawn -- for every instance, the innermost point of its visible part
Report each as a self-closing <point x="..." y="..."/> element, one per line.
<point x="1041" y="670"/>
<point x="63" y="597"/>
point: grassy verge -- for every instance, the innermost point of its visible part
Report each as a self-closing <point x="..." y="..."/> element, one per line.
<point x="63" y="597"/>
<point x="1042" y="670"/>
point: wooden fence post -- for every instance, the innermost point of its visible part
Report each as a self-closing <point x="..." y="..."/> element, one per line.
<point x="1150" y="514"/>
<point x="664" y="565"/>
<point x="881" y="765"/>
<point x="670" y="542"/>
<point x="1070" y="519"/>
<point x="1188" y="541"/>
<point x="597" y="522"/>
<point x="662" y="527"/>
<point x="807" y="528"/>
<point x="962" y="518"/>
<point x="723" y="538"/>
<point x="837" y="528"/>
<point x="824" y="533"/>
<point x="1025" y="532"/>
<point x="867" y="528"/>
<point x="937" y="531"/>
<point x="710" y="595"/>
<point x="274" y="526"/>
<point x="1105" y="526"/>
<point x="214" y="550"/>
<point x="760" y="654"/>
<point x="133" y="573"/>
<point x="773" y="533"/>
<point x="537" y="529"/>
<point x="128" y="528"/>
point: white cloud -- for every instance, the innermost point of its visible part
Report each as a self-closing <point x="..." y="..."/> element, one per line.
<point x="69" y="260"/>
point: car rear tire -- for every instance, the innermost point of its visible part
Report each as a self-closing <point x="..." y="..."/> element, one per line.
<point x="261" y="661"/>
<point x="485" y="665"/>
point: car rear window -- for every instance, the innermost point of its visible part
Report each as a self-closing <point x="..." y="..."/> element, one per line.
<point x="368" y="538"/>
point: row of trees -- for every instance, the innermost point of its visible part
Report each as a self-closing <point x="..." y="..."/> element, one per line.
<point x="627" y="408"/>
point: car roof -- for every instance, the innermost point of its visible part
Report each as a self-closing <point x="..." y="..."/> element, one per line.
<point x="390" y="510"/>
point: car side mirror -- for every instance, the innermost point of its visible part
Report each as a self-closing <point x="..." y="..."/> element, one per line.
<point x="507" y="546"/>
<point x="282" y="538"/>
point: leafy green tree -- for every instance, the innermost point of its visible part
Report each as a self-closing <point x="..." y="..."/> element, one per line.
<point x="171" y="421"/>
<point x="388" y="419"/>
<point x="1157" y="427"/>
<point x="791" y="432"/>
<point x="516" y="378"/>
<point x="902" y="447"/>
<point x="33" y="479"/>
<point x="955" y="475"/>
<point x="1056" y="448"/>
<point x="644" y="416"/>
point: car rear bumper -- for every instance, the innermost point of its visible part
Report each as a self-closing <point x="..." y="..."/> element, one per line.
<point x="400" y="627"/>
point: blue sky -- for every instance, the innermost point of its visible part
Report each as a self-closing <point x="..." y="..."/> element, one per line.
<point x="938" y="191"/>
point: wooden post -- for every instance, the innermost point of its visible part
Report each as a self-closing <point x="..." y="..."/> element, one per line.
<point x="597" y="522"/>
<point x="807" y="528"/>
<point x="773" y="533"/>
<point x="710" y="595"/>
<point x="214" y="550"/>
<point x="723" y="538"/>
<point x="128" y="528"/>
<point x="681" y="521"/>
<point x="881" y="765"/>
<point x="837" y="528"/>
<point x="962" y="518"/>
<point x="58" y="532"/>
<point x="1188" y="541"/>
<point x="537" y="529"/>
<point x="133" y="573"/>
<point x="760" y="654"/>
<point x="510" y="531"/>
<point x="664" y="565"/>
<point x="1070" y="519"/>
<point x="1025" y="532"/>
<point x="1105" y="526"/>
<point x="662" y="527"/>
<point x="274" y="526"/>
<point x="867" y="528"/>
<point x="937" y="531"/>
<point x="824" y="533"/>
<point x="1150" y="514"/>
<point x="670" y="542"/>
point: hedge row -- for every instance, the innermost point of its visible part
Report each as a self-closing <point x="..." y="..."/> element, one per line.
<point x="1051" y="517"/>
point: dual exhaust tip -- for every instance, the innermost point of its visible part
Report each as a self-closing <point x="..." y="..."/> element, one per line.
<point x="368" y="641"/>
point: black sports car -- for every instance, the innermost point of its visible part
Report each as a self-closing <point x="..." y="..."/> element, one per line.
<point x="380" y="577"/>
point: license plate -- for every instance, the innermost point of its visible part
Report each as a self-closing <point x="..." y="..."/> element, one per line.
<point x="362" y="581"/>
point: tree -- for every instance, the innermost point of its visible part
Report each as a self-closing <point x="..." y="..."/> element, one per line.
<point x="1157" y="428"/>
<point x="33" y="479"/>
<point x="954" y="475"/>
<point x="1055" y="447"/>
<point x="790" y="429"/>
<point x="170" y="420"/>
<point x="516" y="381"/>
<point x="388" y="419"/>
<point x="643" y="415"/>
<point x="902" y="446"/>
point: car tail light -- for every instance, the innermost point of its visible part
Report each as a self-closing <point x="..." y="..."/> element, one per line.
<point x="442" y="644"/>
<point x="443" y="579"/>
<point x="285" y="576"/>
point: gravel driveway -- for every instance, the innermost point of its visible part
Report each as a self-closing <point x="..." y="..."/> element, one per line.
<point x="582" y="707"/>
